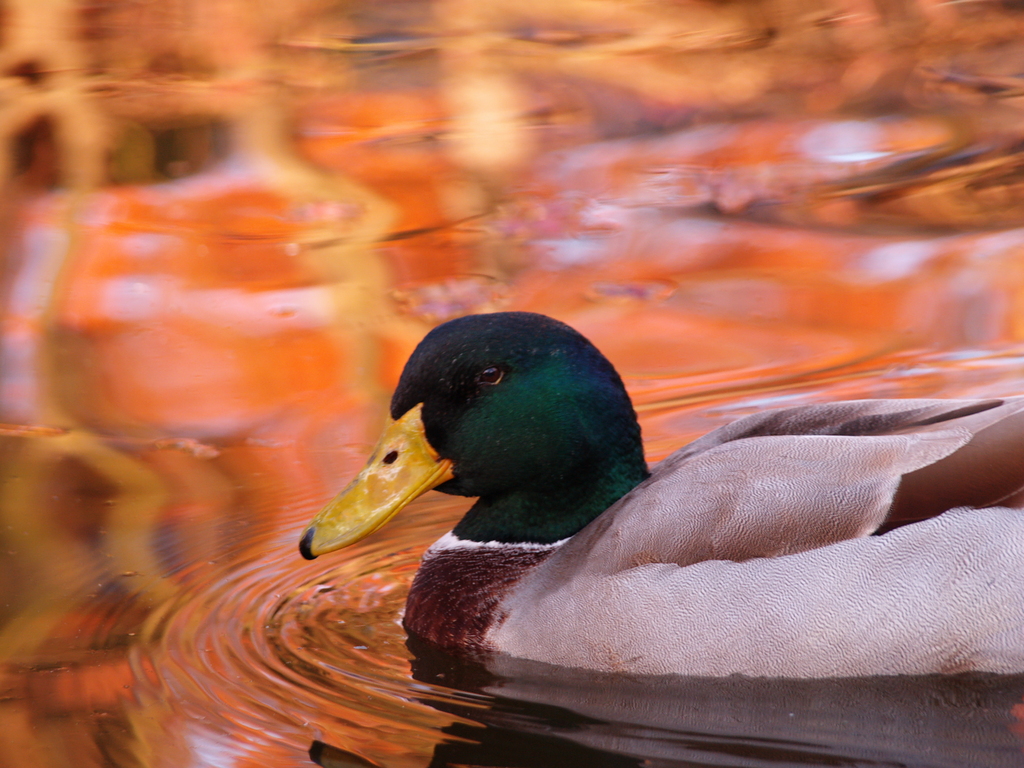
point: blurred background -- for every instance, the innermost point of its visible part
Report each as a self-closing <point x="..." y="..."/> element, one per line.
<point x="225" y="224"/>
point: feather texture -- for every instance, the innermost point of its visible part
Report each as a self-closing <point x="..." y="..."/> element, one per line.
<point x="749" y="552"/>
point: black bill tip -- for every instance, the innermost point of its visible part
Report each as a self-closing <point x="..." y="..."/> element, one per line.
<point x="306" y="545"/>
<point x="316" y="749"/>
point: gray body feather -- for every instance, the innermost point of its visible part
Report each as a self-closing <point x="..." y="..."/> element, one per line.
<point x="749" y="551"/>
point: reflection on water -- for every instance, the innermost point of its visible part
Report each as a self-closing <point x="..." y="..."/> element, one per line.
<point x="588" y="718"/>
<point x="224" y="227"/>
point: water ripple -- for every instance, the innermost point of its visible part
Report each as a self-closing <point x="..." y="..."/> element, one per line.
<point x="275" y="646"/>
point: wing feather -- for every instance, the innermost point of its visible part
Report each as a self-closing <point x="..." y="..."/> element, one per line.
<point x="787" y="481"/>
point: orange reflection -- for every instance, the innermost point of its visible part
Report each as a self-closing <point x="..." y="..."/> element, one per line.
<point x="227" y="227"/>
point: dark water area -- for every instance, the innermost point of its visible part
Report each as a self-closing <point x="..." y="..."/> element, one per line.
<point x="224" y="227"/>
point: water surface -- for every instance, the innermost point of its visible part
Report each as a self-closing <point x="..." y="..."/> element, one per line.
<point x="207" y="303"/>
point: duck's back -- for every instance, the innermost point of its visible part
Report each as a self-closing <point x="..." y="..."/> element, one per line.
<point x="749" y="551"/>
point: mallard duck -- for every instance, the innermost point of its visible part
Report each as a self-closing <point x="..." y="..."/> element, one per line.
<point x="840" y="539"/>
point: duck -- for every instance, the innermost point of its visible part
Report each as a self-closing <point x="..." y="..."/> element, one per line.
<point x="836" y="539"/>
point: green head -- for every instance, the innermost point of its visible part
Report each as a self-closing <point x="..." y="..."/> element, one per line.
<point x="534" y="419"/>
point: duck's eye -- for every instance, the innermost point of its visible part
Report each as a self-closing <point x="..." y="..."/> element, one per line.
<point x="490" y="375"/>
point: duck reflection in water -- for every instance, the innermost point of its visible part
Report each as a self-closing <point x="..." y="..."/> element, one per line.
<point x="532" y="715"/>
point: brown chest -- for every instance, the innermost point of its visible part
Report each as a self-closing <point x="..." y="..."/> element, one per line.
<point x="456" y="594"/>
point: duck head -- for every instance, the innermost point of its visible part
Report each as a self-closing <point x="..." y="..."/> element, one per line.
<point x="515" y="408"/>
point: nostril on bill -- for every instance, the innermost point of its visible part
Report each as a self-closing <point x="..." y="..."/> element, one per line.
<point x="306" y="545"/>
<point x="390" y="458"/>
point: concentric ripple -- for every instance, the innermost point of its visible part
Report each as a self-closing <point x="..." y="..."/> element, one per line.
<point x="277" y="652"/>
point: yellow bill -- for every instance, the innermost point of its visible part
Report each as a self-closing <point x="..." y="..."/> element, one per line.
<point x="401" y="467"/>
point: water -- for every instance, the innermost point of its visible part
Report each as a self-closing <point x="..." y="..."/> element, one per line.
<point x="207" y="303"/>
